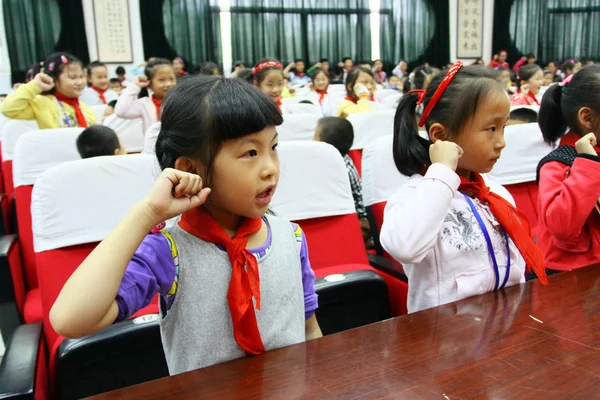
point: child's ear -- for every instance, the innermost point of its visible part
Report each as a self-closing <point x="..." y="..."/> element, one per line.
<point x="586" y="117"/>
<point x="437" y="132"/>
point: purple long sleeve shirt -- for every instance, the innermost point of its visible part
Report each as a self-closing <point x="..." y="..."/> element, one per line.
<point x="152" y="270"/>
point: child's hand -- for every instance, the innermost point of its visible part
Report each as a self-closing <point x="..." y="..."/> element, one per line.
<point x="586" y="144"/>
<point x="446" y="153"/>
<point x="292" y="64"/>
<point x="361" y="91"/>
<point x="45" y="82"/>
<point x="174" y="193"/>
<point x="141" y="81"/>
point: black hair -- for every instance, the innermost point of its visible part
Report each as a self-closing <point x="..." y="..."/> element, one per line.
<point x="120" y="70"/>
<point x="455" y="108"/>
<point x="115" y="80"/>
<point x="561" y="104"/>
<point x="530" y="55"/>
<point x="336" y="131"/>
<point x="92" y="65"/>
<point x="323" y="60"/>
<point x="150" y="70"/>
<point x="524" y="114"/>
<point x="420" y="75"/>
<point x="208" y="68"/>
<point x="55" y="63"/>
<point x="238" y="64"/>
<point x="245" y="75"/>
<point x="353" y="77"/>
<point x="112" y="103"/>
<point x="97" y="140"/>
<point x="306" y="102"/>
<point x="262" y="73"/>
<point x="298" y="60"/>
<point x="346" y="58"/>
<point x="33" y="71"/>
<point x="316" y="72"/>
<point x="569" y="64"/>
<point x="527" y="72"/>
<point x="202" y="111"/>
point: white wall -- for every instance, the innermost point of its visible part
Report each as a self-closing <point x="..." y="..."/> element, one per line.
<point x="5" y="81"/>
<point x="488" y="24"/>
<point x="136" y="34"/>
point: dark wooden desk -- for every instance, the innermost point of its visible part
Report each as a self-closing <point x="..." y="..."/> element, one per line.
<point x="525" y="342"/>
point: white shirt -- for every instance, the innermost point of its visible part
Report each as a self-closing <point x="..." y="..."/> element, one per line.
<point x="429" y="227"/>
<point x="91" y="97"/>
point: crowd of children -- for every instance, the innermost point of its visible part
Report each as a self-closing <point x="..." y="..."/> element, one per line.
<point x="217" y="148"/>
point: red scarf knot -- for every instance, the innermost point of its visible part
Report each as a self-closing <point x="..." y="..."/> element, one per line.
<point x="100" y="93"/>
<point x="73" y="102"/>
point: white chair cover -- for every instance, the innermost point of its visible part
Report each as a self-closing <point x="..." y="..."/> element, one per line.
<point x="297" y="108"/>
<point x="150" y="138"/>
<point x="38" y="151"/>
<point x="369" y="126"/>
<point x="83" y="201"/>
<point x="384" y="93"/>
<point x="298" y="127"/>
<point x="380" y="177"/>
<point x="525" y="147"/>
<point x="11" y="133"/>
<point x="391" y="101"/>
<point x="313" y="182"/>
<point x="129" y="132"/>
<point x="99" y="110"/>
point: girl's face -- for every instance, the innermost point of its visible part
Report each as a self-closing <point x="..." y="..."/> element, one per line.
<point x="321" y="81"/>
<point x="482" y="138"/>
<point x="249" y="164"/>
<point x="394" y="81"/>
<point x="272" y="84"/>
<point x="177" y="66"/>
<point x="162" y="80"/>
<point x="378" y="66"/>
<point x="505" y="78"/>
<point x="552" y="67"/>
<point x="536" y="82"/>
<point x="366" y="80"/>
<point x="403" y="66"/>
<point x="548" y="79"/>
<point x="71" y="81"/>
<point x="99" y="78"/>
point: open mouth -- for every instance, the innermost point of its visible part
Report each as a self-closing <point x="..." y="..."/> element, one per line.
<point x="266" y="195"/>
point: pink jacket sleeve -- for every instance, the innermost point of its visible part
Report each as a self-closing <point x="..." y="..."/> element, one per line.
<point x="566" y="203"/>
<point x="519" y="64"/>
<point x="127" y="106"/>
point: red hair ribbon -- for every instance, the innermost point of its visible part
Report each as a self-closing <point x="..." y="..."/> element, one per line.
<point x="266" y="64"/>
<point x="420" y="93"/>
<point x="440" y="91"/>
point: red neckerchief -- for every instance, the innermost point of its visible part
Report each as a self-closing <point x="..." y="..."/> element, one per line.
<point x="322" y="94"/>
<point x="157" y="103"/>
<point x="245" y="279"/>
<point x="531" y="96"/>
<point x="279" y="103"/>
<point x="73" y="102"/>
<point x="379" y="76"/>
<point x="512" y="220"/>
<point x="100" y="93"/>
<point x="571" y="138"/>
<point x="300" y="74"/>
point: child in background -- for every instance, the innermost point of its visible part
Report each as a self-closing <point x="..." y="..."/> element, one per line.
<point x="179" y="67"/>
<point x="378" y="73"/>
<point x="120" y="71"/>
<point x="499" y="60"/>
<point x="570" y="67"/>
<point x="569" y="177"/>
<point x="268" y="77"/>
<point x="109" y="110"/>
<point x="99" y="140"/>
<point x="395" y="83"/>
<point x="225" y="259"/>
<point x="238" y="67"/>
<point x="401" y="70"/>
<point x="319" y="87"/>
<point x="527" y="60"/>
<point x="115" y="86"/>
<point x="455" y="237"/>
<point x="548" y="77"/>
<point x="136" y="102"/>
<point x="52" y="97"/>
<point x="360" y="87"/>
<point x="522" y="115"/>
<point x="98" y="92"/>
<point x="346" y="65"/>
<point x="324" y="65"/>
<point x="209" y="68"/>
<point x="530" y="81"/>
<point x="298" y="77"/>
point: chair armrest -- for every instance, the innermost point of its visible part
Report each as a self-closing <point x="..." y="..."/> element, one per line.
<point x="390" y="267"/>
<point x="12" y="289"/>
<point x="18" y="367"/>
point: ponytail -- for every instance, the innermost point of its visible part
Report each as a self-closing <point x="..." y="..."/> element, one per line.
<point x="550" y="118"/>
<point x="143" y="93"/>
<point x="411" y="151"/>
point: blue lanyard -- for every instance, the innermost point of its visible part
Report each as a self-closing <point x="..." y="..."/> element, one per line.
<point x="491" y="247"/>
<point x="67" y="120"/>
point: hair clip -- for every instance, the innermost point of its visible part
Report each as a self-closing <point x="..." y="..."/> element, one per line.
<point x="64" y="59"/>
<point x="420" y="93"/>
<point x="51" y="66"/>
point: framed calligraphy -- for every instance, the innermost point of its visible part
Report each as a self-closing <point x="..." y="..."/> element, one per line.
<point x="113" y="31"/>
<point x="470" y="29"/>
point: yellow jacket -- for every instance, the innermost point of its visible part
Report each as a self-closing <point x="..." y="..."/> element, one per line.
<point x="27" y="102"/>
<point x="347" y="107"/>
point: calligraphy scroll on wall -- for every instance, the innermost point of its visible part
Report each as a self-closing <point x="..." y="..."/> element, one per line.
<point x="113" y="31"/>
<point x="470" y="29"/>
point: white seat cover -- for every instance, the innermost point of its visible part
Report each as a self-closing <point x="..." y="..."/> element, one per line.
<point x="525" y="147"/>
<point x="380" y="177"/>
<point x="99" y="110"/>
<point x="391" y="101"/>
<point x="83" y="201"/>
<point x="384" y="93"/>
<point x="37" y="151"/>
<point x="11" y="133"/>
<point x="150" y="138"/>
<point x="313" y="182"/>
<point x="129" y="132"/>
<point x="298" y="127"/>
<point x="369" y="126"/>
<point x="304" y="108"/>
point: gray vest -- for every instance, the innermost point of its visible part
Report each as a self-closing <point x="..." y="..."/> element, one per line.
<point x="197" y="330"/>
